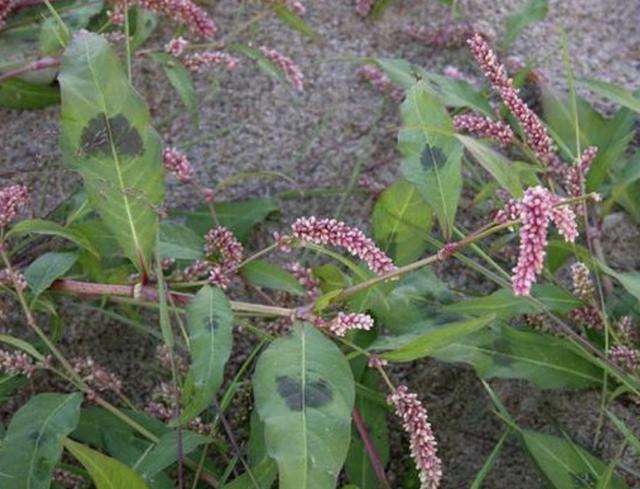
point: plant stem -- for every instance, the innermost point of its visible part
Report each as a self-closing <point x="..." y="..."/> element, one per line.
<point x="374" y="456"/>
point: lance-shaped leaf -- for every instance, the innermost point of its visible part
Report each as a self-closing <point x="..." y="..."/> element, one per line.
<point x="106" y="472"/>
<point x="210" y="324"/>
<point x="304" y="393"/>
<point x="33" y="443"/>
<point x="431" y="154"/>
<point x="107" y="138"/>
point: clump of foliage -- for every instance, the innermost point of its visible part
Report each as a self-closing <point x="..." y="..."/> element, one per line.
<point x="329" y="328"/>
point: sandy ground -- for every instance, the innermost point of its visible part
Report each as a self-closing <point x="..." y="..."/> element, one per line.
<point x="250" y="123"/>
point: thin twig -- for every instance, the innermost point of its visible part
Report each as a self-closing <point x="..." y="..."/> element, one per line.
<point x="374" y="456"/>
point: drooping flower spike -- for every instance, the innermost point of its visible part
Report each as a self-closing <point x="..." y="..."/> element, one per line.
<point x="198" y="62"/>
<point x="537" y="209"/>
<point x="336" y="233"/>
<point x="11" y="199"/>
<point x="292" y="72"/>
<point x="226" y="251"/>
<point x="176" y="162"/>
<point x="186" y="12"/>
<point x="345" y="322"/>
<point x="483" y="127"/>
<point x="423" y="444"/>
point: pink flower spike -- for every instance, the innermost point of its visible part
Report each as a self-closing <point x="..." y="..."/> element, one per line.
<point x="184" y="12"/>
<point x="337" y="233"/>
<point x="534" y="129"/>
<point x="222" y="247"/>
<point x="424" y="447"/>
<point x="198" y="62"/>
<point x="363" y="7"/>
<point x="295" y="6"/>
<point x="16" y="362"/>
<point x="344" y="322"/>
<point x="627" y="358"/>
<point x="381" y="82"/>
<point x="176" y="162"/>
<point x="11" y="199"/>
<point x="565" y="220"/>
<point x="291" y="71"/>
<point x="483" y="127"/>
<point x="453" y="34"/>
<point x="575" y="176"/>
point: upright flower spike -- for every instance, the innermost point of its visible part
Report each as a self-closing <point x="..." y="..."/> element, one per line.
<point x="186" y="12"/>
<point x="226" y="252"/>
<point x="483" y="127"/>
<point x="581" y="280"/>
<point x="423" y="444"/>
<point x="576" y="175"/>
<point x="537" y="208"/>
<point x="11" y="199"/>
<point x="198" y="62"/>
<point x="345" y="322"/>
<point x="16" y="362"/>
<point x="292" y="72"/>
<point x="534" y="129"/>
<point x="337" y="233"/>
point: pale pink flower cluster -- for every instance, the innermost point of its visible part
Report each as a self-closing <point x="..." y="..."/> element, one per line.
<point x="537" y="208"/>
<point x="198" y="62"/>
<point x="581" y="281"/>
<point x="305" y="277"/>
<point x="163" y="408"/>
<point x="176" y="162"/>
<point x="381" y="82"/>
<point x="96" y="376"/>
<point x="13" y="278"/>
<point x="11" y="199"/>
<point x="184" y="12"/>
<point x="376" y="361"/>
<point x="363" y="7"/>
<point x="337" y="233"/>
<point x="222" y="247"/>
<point x="344" y="322"/>
<point x="291" y="71"/>
<point x="6" y="6"/>
<point x="627" y="331"/>
<point x="294" y="5"/>
<point x="196" y="270"/>
<point x="484" y="127"/>
<point x="534" y="129"/>
<point x="176" y="46"/>
<point x="575" y="175"/>
<point x="510" y="212"/>
<point x="450" y="35"/>
<point x="16" y="363"/>
<point x="627" y="358"/>
<point x="423" y="444"/>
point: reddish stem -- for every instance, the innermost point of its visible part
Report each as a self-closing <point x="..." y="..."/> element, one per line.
<point x="374" y="456"/>
<point x="40" y="64"/>
<point x="146" y="293"/>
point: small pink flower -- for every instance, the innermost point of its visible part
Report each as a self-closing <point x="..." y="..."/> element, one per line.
<point x="209" y="195"/>
<point x="176" y="162"/>
<point x="218" y="277"/>
<point x="337" y="233"/>
<point x="283" y="242"/>
<point x="537" y="208"/>
<point x="424" y="448"/>
<point x="16" y="363"/>
<point x="95" y="376"/>
<point x="6" y="6"/>
<point x="225" y="251"/>
<point x="627" y="358"/>
<point x="483" y="127"/>
<point x="11" y="199"/>
<point x="376" y="361"/>
<point x="581" y="280"/>
<point x="628" y="332"/>
<point x="198" y="62"/>
<point x="291" y="71"/>
<point x="344" y="322"/>
<point x="510" y="212"/>
<point x="534" y="129"/>
<point x="295" y="6"/>
<point x="176" y="46"/>
<point x="381" y="82"/>
<point x="575" y="176"/>
<point x="305" y="277"/>
<point x="13" y="278"/>
<point x="589" y="316"/>
<point x="184" y="12"/>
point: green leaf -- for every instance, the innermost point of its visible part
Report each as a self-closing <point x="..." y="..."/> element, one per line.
<point x="292" y="20"/>
<point x="459" y="94"/>
<point x="107" y="138"/>
<point x="144" y="22"/>
<point x="181" y="81"/>
<point x="47" y="269"/>
<point x="54" y="36"/>
<point x="400" y="71"/>
<point x="564" y="464"/>
<point x="401" y="222"/>
<point x="546" y="361"/>
<point x="489" y="463"/>
<point x="304" y="392"/>
<point x="419" y="346"/>
<point x="165" y="452"/>
<point x="613" y="92"/>
<point x="22" y="345"/>
<point x="179" y="242"/>
<point x="629" y="280"/>
<point x="263" y="274"/>
<point x="50" y="228"/>
<point x="24" y="95"/>
<point x="632" y="439"/>
<point x="533" y="11"/>
<point x="431" y="154"/>
<point x="106" y="472"/>
<point x="378" y="9"/>
<point x="497" y="165"/>
<point x="358" y="465"/>
<point x="33" y="444"/>
<point x="263" y="474"/>
<point x="210" y="325"/>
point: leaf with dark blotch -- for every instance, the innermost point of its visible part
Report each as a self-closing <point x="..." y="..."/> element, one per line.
<point x="33" y="444"/>
<point x="108" y="139"/>
<point x="304" y="393"/>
